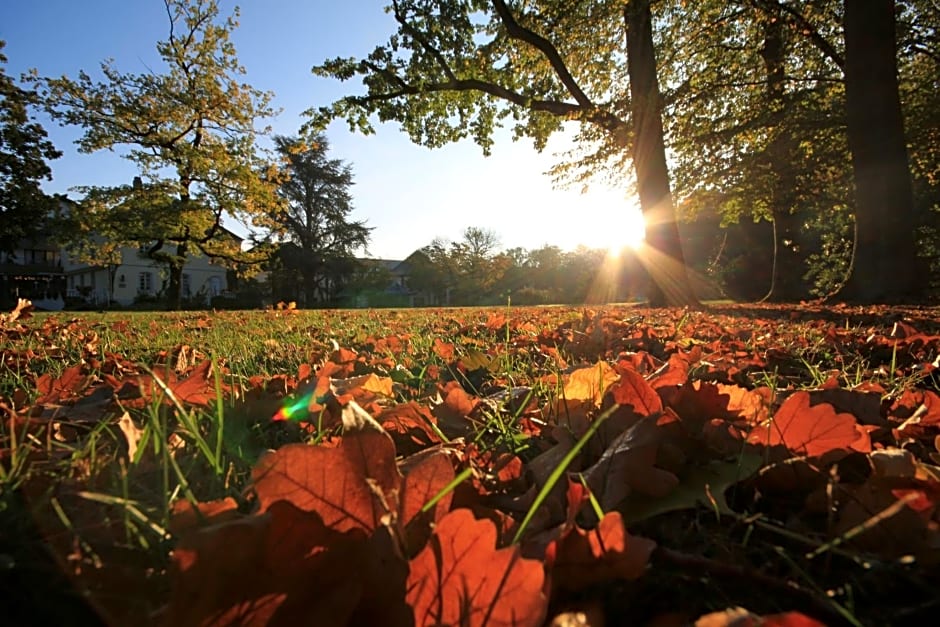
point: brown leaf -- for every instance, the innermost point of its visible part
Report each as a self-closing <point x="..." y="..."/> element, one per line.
<point x="804" y="430"/>
<point x="187" y="516"/>
<point x="198" y="388"/>
<point x="131" y="433"/>
<point x="410" y="425"/>
<point x="283" y="568"/>
<point x="461" y="578"/>
<point x="351" y="486"/>
<point x="676" y="372"/>
<point x="582" y="558"/>
<point x="67" y="385"/>
<point x="750" y="405"/>
<point x="628" y="465"/>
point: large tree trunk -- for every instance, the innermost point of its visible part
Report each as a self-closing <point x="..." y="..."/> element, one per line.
<point x="663" y="256"/>
<point x="884" y="258"/>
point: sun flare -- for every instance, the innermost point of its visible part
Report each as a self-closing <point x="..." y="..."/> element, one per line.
<point x="622" y="227"/>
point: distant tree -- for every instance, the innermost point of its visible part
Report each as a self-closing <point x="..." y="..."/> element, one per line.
<point x="457" y="69"/>
<point x="24" y="151"/>
<point x="315" y="215"/>
<point x="476" y="266"/>
<point x="191" y="130"/>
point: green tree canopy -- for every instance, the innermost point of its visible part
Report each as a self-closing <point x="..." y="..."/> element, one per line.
<point x="24" y="151"/>
<point x="463" y="69"/>
<point x="315" y="215"/>
<point x="191" y="131"/>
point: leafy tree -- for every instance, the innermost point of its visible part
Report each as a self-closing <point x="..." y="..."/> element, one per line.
<point x="315" y="215"/>
<point x="191" y="130"/>
<point x="462" y="69"/>
<point x="756" y="127"/>
<point x="24" y="151"/>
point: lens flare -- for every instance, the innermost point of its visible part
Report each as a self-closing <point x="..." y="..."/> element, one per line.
<point x="295" y="409"/>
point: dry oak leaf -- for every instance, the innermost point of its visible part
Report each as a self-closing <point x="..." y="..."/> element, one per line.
<point x="811" y="431"/>
<point x="351" y="486"/>
<point x="67" y="385"/>
<point x="461" y="578"/>
<point x="426" y="475"/>
<point x="581" y="558"/>
<point x="285" y="568"/>
<point x="628" y="466"/>
<point x="634" y="390"/>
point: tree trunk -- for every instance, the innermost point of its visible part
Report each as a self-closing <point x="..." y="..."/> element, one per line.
<point x="786" y="283"/>
<point x="174" y="290"/>
<point x="884" y="257"/>
<point x="662" y="257"/>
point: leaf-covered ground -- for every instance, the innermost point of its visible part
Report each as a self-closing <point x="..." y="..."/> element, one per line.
<point x="505" y="466"/>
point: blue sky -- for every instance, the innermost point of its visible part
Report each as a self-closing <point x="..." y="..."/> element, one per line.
<point x="409" y="193"/>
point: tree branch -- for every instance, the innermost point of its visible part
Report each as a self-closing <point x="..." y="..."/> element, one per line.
<point x="516" y="31"/>
<point x="602" y="118"/>
<point x="417" y="36"/>
<point x="814" y="35"/>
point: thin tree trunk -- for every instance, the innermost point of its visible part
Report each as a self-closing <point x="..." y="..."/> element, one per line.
<point x="174" y="290"/>
<point x="663" y="258"/>
<point x="884" y="257"/>
<point x="788" y="263"/>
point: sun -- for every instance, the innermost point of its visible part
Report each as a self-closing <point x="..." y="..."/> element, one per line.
<point x="620" y="225"/>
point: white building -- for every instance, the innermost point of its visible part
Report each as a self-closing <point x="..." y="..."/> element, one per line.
<point x="135" y="276"/>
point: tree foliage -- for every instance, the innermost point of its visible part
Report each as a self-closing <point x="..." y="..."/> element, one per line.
<point x="314" y="216"/>
<point x="24" y="151"/>
<point x="456" y="70"/>
<point x="191" y="131"/>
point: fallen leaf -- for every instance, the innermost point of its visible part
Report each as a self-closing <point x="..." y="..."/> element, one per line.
<point x="701" y="486"/>
<point x="350" y="486"/>
<point x="628" y="465"/>
<point x="634" y="390"/>
<point x="581" y="558"/>
<point x="589" y="384"/>
<point x="461" y="578"/>
<point x="804" y="430"/>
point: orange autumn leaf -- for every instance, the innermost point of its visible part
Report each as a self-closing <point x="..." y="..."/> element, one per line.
<point x="805" y="430"/>
<point x="581" y="558"/>
<point x="427" y="474"/>
<point x="634" y="390"/>
<point x="461" y="578"/>
<point x="589" y="384"/>
<point x="350" y="486"/>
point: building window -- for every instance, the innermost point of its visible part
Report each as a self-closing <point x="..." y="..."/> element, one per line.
<point x="145" y="284"/>
<point x="187" y="285"/>
<point x="122" y="282"/>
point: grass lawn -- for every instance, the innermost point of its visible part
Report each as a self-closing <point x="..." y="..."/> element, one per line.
<point x="478" y="466"/>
